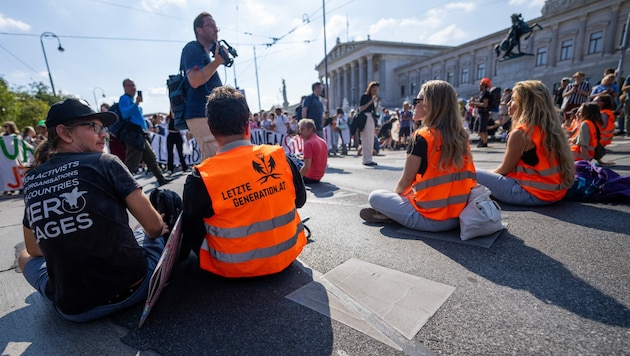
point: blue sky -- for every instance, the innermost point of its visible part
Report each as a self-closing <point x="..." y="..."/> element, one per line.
<point x="106" y="41"/>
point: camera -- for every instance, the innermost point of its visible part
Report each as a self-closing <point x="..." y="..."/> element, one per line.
<point x="227" y="61"/>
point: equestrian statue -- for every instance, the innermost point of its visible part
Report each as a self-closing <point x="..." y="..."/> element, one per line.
<point x="513" y="39"/>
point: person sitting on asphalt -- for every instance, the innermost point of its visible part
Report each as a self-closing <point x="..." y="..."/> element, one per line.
<point x="439" y="171"/>
<point x="537" y="168"/>
<point x="314" y="154"/>
<point x="80" y="251"/>
<point x="240" y="207"/>
<point x="584" y="140"/>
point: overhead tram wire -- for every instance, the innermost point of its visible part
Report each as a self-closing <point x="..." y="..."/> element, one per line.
<point x="21" y="61"/>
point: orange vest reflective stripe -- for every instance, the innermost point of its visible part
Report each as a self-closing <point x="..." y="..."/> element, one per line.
<point x="256" y="229"/>
<point x="592" y="143"/>
<point x="544" y="180"/>
<point x="441" y="195"/>
<point x="608" y="129"/>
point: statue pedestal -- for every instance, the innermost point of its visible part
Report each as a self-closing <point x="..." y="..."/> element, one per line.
<point x="515" y="68"/>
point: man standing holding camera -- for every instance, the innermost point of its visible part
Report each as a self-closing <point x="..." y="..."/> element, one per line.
<point x="202" y="76"/>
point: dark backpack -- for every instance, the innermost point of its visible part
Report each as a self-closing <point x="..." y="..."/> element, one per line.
<point x="118" y="126"/>
<point x="167" y="202"/>
<point x="176" y="85"/>
<point x="598" y="184"/>
<point x="495" y="98"/>
<point x="298" y="113"/>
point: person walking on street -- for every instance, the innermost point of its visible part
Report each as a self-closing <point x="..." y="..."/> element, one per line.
<point x="137" y="148"/>
<point x="174" y="140"/>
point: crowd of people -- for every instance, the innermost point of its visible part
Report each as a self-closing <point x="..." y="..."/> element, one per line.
<point x="240" y="203"/>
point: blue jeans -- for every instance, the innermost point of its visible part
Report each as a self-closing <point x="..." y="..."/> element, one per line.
<point x="507" y="189"/>
<point x="36" y="274"/>
<point x="400" y="209"/>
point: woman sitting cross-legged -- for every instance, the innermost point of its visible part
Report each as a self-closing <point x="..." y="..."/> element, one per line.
<point x="439" y="170"/>
<point x="537" y="167"/>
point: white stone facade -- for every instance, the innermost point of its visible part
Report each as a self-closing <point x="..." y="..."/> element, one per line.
<point x="577" y="35"/>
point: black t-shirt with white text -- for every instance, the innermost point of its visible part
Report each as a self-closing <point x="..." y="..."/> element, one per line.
<point x="75" y="206"/>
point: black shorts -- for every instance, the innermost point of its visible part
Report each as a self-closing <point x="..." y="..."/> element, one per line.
<point x="483" y="121"/>
<point x="404" y="132"/>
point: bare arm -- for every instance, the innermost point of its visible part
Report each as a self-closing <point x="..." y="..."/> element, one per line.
<point x="31" y="243"/>
<point x="480" y="104"/>
<point x="141" y="208"/>
<point x="412" y="164"/>
<point x="516" y="144"/>
<point x="199" y="76"/>
<point x="306" y="167"/>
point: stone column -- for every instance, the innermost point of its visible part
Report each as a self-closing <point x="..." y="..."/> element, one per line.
<point x="578" y="49"/>
<point x="339" y="87"/>
<point x="362" y="73"/>
<point x="353" y="80"/>
<point x="347" y="84"/>
<point x="609" y="33"/>
<point x="456" y="74"/>
<point x="370" y="70"/>
<point x="552" y="57"/>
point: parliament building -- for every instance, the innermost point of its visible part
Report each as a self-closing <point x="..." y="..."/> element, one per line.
<point x="576" y="35"/>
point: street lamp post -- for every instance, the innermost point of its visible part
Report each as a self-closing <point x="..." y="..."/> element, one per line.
<point x="96" y="101"/>
<point x="61" y="49"/>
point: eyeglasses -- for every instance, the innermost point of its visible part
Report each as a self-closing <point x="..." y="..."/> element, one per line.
<point x="417" y="100"/>
<point x="212" y="25"/>
<point x="98" y="128"/>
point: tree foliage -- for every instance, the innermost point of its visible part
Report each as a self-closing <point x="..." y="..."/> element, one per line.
<point x="26" y="106"/>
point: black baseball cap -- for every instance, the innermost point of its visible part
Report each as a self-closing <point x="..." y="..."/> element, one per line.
<point x="72" y="109"/>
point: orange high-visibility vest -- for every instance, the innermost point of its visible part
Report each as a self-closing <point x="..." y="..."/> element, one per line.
<point x="256" y="229"/>
<point x="608" y="129"/>
<point x="441" y="195"/>
<point x="544" y="180"/>
<point x="592" y="143"/>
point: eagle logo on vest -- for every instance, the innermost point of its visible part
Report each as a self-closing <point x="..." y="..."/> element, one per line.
<point x="265" y="168"/>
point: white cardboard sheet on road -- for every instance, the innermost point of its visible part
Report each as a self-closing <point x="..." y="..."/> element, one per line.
<point x="403" y="301"/>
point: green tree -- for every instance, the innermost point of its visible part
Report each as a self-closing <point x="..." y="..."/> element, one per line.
<point x="31" y="110"/>
<point x="8" y="102"/>
<point x="26" y="105"/>
<point x="41" y="91"/>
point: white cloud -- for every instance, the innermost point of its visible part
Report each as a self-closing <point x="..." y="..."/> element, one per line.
<point x="160" y="4"/>
<point x="454" y="7"/>
<point x="448" y="35"/>
<point x="263" y="13"/>
<point x="7" y="23"/>
<point x="538" y="4"/>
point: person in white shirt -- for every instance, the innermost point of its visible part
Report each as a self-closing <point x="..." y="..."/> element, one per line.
<point x="280" y="122"/>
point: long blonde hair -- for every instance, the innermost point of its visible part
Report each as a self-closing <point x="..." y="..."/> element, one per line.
<point x="443" y="115"/>
<point x="537" y="109"/>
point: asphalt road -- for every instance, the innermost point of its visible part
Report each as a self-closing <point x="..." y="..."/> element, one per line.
<point x="556" y="282"/>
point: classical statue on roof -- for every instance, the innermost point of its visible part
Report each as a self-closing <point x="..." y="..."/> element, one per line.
<point x="513" y="39"/>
